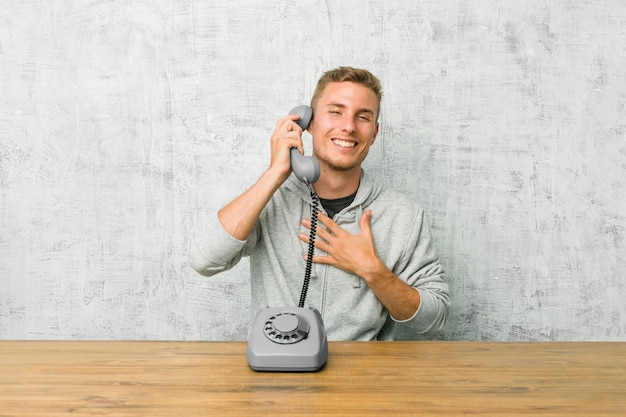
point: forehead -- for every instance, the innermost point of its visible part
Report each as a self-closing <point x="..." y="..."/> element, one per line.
<point x="349" y="94"/>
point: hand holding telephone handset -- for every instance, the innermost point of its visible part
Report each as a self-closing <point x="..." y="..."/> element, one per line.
<point x="292" y="338"/>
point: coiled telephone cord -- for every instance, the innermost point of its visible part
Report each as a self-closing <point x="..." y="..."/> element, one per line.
<point x="309" y="258"/>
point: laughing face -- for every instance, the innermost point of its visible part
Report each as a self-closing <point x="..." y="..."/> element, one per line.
<point x="344" y="125"/>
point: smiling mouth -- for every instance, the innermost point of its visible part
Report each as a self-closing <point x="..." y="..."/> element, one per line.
<point x="344" y="143"/>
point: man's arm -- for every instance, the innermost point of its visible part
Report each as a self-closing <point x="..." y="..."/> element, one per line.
<point x="211" y="249"/>
<point x="239" y="216"/>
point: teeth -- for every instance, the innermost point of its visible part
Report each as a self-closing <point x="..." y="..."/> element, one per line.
<point x="344" y="143"/>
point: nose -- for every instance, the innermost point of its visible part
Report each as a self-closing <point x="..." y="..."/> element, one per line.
<point x="348" y="124"/>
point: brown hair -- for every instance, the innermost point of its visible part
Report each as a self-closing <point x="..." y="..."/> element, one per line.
<point x="355" y="75"/>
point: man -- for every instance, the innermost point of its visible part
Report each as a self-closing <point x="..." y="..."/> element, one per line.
<point x="375" y="264"/>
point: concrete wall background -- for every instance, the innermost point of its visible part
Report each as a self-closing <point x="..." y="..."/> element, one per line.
<point x="122" y="122"/>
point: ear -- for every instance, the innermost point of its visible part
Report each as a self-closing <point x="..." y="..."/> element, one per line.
<point x="375" y="133"/>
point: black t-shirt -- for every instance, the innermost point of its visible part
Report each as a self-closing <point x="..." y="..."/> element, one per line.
<point x="333" y="207"/>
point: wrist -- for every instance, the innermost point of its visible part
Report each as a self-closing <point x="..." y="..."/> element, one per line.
<point x="273" y="178"/>
<point x="376" y="273"/>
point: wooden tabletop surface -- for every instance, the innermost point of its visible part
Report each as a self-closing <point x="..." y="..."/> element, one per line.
<point x="114" y="378"/>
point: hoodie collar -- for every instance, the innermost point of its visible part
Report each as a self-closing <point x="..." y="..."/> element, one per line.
<point x="368" y="190"/>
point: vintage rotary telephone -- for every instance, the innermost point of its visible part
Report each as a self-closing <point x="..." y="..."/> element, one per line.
<point x="292" y="339"/>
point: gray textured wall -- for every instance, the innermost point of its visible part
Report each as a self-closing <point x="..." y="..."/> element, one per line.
<point x="122" y="122"/>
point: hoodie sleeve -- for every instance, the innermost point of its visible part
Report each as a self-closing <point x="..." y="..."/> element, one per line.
<point x="212" y="249"/>
<point x="420" y="269"/>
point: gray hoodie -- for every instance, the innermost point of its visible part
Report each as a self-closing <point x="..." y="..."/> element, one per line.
<point x="349" y="309"/>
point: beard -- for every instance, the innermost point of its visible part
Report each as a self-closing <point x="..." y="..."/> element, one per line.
<point x="340" y="165"/>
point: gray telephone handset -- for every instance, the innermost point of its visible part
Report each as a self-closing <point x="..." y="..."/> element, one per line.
<point x="292" y="339"/>
<point x="306" y="168"/>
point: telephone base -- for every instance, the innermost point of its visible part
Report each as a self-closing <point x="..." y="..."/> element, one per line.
<point x="287" y="339"/>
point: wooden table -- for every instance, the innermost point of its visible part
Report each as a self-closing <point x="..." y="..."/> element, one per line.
<point x="186" y="379"/>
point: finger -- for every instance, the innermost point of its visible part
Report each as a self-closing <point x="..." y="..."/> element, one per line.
<point x="317" y="259"/>
<point x="283" y="140"/>
<point x="288" y="124"/>
<point x="333" y="227"/>
<point x="365" y="223"/>
<point x="320" y="242"/>
<point x="320" y="231"/>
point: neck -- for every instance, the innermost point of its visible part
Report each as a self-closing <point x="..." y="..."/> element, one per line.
<point x="337" y="184"/>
